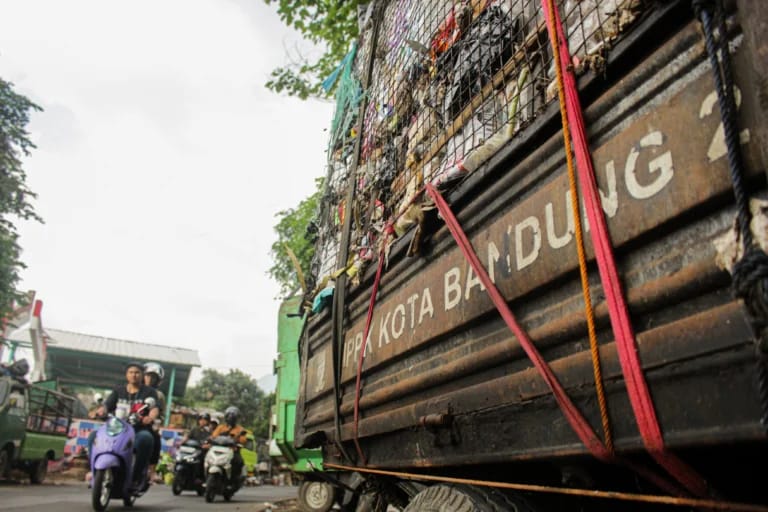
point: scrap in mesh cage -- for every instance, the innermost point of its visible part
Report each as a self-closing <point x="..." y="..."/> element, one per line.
<point x="451" y="83"/>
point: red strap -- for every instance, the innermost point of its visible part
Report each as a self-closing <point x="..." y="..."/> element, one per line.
<point x="577" y="421"/>
<point x="362" y="348"/>
<point x="572" y="414"/>
<point x="637" y="388"/>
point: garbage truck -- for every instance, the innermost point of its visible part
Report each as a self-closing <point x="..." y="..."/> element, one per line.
<point x="540" y="275"/>
<point x="301" y="466"/>
<point x="34" y="423"/>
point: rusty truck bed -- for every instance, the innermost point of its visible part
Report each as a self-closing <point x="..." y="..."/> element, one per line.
<point x="438" y="347"/>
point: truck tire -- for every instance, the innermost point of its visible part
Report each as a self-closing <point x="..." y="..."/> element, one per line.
<point x="38" y="471"/>
<point x="465" y="498"/>
<point x="316" y="496"/>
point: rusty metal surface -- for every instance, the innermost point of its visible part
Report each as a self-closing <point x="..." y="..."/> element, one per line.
<point x="514" y="418"/>
<point x="512" y="433"/>
<point x="753" y="18"/>
<point x="651" y="172"/>
<point x="711" y="331"/>
<point x="487" y="350"/>
<point x="660" y="168"/>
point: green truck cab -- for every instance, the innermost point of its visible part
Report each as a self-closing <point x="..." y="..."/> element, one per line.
<point x="315" y="493"/>
<point x="34" y="422"/>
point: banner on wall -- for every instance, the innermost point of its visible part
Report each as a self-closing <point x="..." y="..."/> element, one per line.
<point x="77" y="439"/>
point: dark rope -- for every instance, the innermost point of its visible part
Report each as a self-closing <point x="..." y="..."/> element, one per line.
<point x="721" y="72"/>
<point x="338" y="312"/>
<point x="750" y="273"/>
<point x="750" y="282"/>
<point x="762" y="385"/>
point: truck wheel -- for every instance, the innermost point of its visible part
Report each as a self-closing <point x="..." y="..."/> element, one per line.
<point x="102" y="489"/>
<point x="316" y="496"/>
<point x="38" y="471"/>
<point x="464" y="498"/>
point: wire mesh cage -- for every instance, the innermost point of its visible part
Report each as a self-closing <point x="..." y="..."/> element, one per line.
<point x="451" y="82"/>
<point x="50" y="412"/>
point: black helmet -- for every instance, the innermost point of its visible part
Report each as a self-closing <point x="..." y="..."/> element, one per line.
<point x="133" y="364"/>
<point x="204" y="416"/>
<point x="231" y="415"/>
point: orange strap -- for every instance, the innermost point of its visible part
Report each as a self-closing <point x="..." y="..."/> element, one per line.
<point x="637" y="387"/>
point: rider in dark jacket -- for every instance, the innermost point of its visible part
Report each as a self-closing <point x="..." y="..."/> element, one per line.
<point x="202" y="431"/>
<point x="129" y="396"/>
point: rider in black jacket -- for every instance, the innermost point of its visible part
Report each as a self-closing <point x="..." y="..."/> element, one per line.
<point x="129" y="397"/>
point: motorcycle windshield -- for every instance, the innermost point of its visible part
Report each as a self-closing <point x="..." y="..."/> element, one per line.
<point x="115" y="427"/>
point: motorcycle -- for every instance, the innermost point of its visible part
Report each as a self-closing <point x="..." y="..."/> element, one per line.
<point x="188" y="473"/>
<point x="218" y="469"/>
<point x="112" y="459"/>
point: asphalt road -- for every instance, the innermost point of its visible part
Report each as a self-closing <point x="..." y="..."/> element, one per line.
<point x="76" y="498"/>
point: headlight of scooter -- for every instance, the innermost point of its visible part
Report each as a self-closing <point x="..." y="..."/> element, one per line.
<point x="115" y="427"/>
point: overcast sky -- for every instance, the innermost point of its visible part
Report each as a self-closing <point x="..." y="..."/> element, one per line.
<point x="161" y="162"/>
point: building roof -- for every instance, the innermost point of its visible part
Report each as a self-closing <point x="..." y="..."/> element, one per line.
<point x="129" y="350"/>
<point x="83" y="359"/>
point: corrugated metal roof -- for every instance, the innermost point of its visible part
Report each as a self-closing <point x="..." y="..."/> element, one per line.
<point x="121" y="348"/>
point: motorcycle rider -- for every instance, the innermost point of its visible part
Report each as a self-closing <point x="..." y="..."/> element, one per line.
<point x="202" y="431"/>
<point x="153" y="377"/>
<point x="98" y="401"/>
<point x="237" y="432"/>
<point x="131" y="396"/>
<point x="215" y="421"/>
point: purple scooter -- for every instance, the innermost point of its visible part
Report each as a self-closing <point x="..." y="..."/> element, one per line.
<point x="112" y="459"/>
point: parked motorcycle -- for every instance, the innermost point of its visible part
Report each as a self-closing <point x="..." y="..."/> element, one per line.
<point x="188" y="473"/>
<point x="112" y="459"/>
<point x="218" y="469"/>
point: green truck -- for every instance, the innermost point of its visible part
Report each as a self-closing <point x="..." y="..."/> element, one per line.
<point x="315" y="494"/>
<point x="34" y="422"/>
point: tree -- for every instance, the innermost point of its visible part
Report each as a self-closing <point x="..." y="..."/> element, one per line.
<point x="333" y="25"/>
<point x="292" y="233"/>
<point x="219" y="391"/>
<point x="15" y="197"/>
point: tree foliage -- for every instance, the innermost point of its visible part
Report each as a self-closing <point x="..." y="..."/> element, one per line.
<point x="15" y="197"/>
<point x="332" y="25"/>
<point x="219" y="390"/>
<point x="291" y="230"/>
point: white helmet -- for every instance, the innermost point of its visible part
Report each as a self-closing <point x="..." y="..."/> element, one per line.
<point x="156" y="369"/>
<point x="98" y="397"/>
